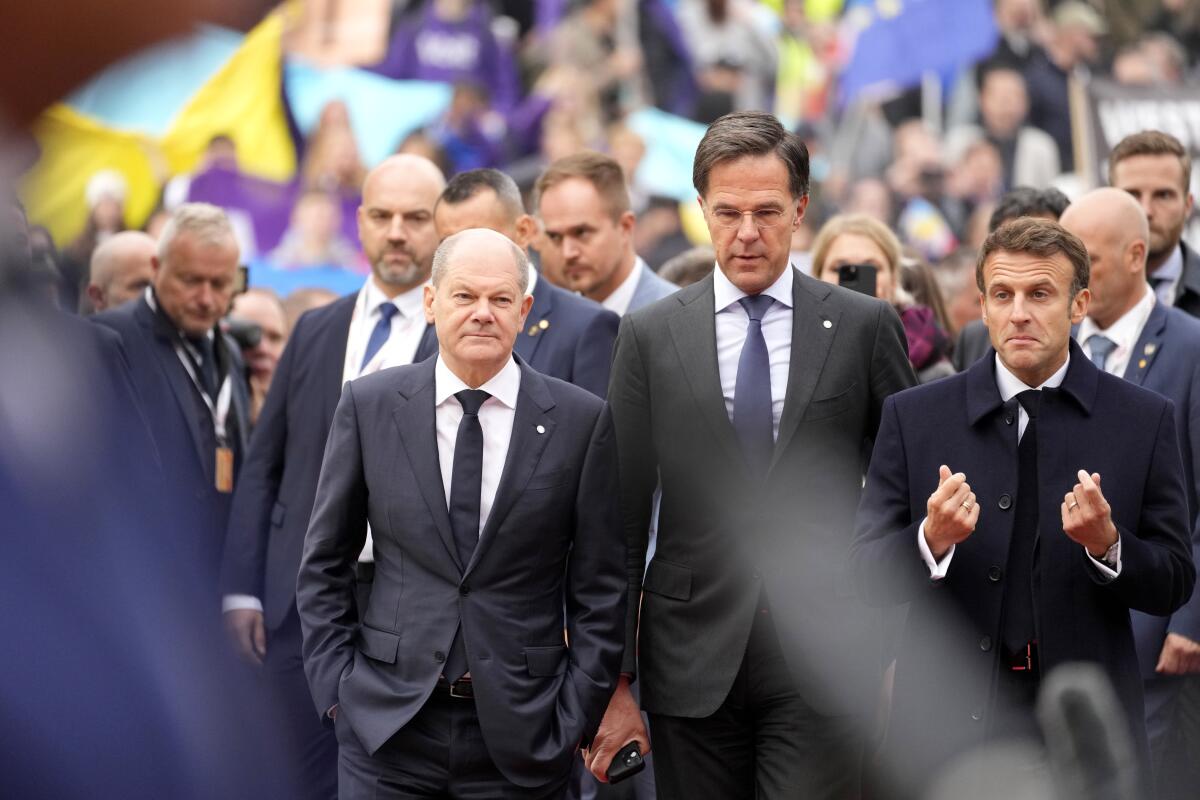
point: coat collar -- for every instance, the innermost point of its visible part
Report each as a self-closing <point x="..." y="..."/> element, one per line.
<point x="983" y="396"/>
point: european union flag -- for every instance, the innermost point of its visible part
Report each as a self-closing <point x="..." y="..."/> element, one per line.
<point x="895" y="42"/>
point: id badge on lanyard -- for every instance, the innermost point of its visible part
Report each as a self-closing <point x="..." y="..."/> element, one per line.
<point x="223" y="477"/>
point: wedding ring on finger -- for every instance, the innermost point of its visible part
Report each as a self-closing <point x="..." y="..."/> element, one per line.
<point x="966" y="505"/>
<point x="1074" y="505"/>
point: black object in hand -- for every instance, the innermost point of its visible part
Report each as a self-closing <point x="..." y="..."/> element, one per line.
<point x="626" y="763"/>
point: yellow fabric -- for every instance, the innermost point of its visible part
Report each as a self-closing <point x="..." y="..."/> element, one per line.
<point x="243" y="99"/>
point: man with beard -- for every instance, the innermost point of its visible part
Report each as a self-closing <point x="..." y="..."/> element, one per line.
<point x="1155" y="168"/>
<point x="383" y="325"/>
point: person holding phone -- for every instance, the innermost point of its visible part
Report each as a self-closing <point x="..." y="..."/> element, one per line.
<point x="859" y="252"/>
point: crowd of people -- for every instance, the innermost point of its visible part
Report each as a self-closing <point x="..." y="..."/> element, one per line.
<point x="816" y="503"/>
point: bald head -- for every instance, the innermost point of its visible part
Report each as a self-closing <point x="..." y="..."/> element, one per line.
<point x="1114" y="229"/>
<point x="120" y="269"/>
<point x="395" y="221"/>
<point x="488" y="246"/>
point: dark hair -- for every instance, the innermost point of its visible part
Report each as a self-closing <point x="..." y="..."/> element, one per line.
<point x="603" y="172"/>
<point x="465" y="185"/>
<point x="1025" y="201"/>
<point x="1039" y="237"/>
<point x="750" y="133"/>
<point x="1151" y="143"/>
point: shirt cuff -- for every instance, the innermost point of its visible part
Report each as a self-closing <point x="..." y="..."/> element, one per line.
<point x="236" y="602"/>
<point x="1106" y="571"/>
<point x="937" y="569"/>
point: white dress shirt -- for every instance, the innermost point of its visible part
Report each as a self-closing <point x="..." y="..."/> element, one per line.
<point x="618" y="302"/>
<point x="1010" y="386"/>
<point x="496" y="417"/>
<point x="407" y="329"/>
<point x="1168" y="275"/>
<point x="1124" y="333"/>
<point x="732" y="322"/>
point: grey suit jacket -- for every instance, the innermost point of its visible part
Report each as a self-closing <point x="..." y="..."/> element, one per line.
<point x="650" y="289"/>
<point x="550" y="557"/>
<point x="723" y="537"/>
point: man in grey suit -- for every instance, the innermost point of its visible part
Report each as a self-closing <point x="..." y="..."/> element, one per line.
<point x="753" y="395"/>
<point x="491" y="491"/>
<point x="583" y="203"/>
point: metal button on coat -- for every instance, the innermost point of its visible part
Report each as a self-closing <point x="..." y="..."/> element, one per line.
<point x="1008" y="419"/>
<point x="439" y="656"/>
<point x="1005" y="502"/>
<point x="994" y="574"/>
<point x="985" y="644"/>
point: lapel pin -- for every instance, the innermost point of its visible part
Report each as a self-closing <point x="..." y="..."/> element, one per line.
<point x="1150" y="348"/>
<point x="827" y="324"/>
<point x="541" y="429"/>
<point x="1142" y="364"/>
<point x="534" y="330"/>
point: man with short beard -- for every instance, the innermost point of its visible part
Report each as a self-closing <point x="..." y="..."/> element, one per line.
<point x="382" y="325"/>
<point x="1155" y="168"/>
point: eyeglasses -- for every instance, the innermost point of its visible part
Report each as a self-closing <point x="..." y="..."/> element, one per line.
<point x="763" y="218"/>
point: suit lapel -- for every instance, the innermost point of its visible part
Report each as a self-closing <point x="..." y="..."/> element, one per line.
<point x="813" y="327"/>
<point x="694" y="331"/>
<point x="537" y="324"/>
<point x="532" y="430"/>
<point x="414" y="417"/>
<point x="163" y="346"/>
<point x="1148" y="346"/>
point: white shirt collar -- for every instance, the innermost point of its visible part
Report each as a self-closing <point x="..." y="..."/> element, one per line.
<point x="411" y="303"/>
<point x="1010" y="385"/>
<point x="622" y="296"/>
<point x="1126" y="330"/>
<point x="504" y="386"/>
<point x="1172" y="268"/>
<point x="533" y="279"/>
<point x="727" y="294"/>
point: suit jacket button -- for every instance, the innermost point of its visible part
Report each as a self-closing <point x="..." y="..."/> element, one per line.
<point x="994" y="574"/>
<point x="1008" y="419"/>
<point x="1005" y="502"/>
<point x="985" y="644"/>
<point x="439" y="656"/>
<point x="464" y="590"/>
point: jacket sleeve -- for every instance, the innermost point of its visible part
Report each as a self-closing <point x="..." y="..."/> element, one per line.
<point x="629" y="396"/>
<point x="594" y="353"/>
<point x="1186" y="621"/>
<point x="336" y="535"/>
<point x="891" y="370"/>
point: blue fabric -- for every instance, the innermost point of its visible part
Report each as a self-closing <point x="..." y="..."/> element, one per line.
<point x="383" y="329"/>
<point x="752" y="391"/>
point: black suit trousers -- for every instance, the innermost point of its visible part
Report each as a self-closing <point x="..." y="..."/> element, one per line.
<point x="764" y="742"/>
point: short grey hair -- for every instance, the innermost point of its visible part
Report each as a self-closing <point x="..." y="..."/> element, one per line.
<point x="206" y="222"/>
<point x="441" y="258"/>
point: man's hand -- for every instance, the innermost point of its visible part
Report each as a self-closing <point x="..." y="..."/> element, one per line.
<point x="951" y="512"/>
<point x="1180" y="656"/>
<point x="249" y="634"/>
<point x="621" y="725"/>
<point x="332" y="712"/>
<point x="1087" y="517"/>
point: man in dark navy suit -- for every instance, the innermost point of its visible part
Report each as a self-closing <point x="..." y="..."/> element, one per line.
<point x="492" y="494"/>
<point x="1130" y="333"/>
<point x="567" y="336"/>
<point x="1023" y="508"/>
<point x="189" y="375"/>
<point x="380" y="326"/>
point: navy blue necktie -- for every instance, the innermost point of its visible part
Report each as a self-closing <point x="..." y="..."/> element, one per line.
<point x="752" y="417"/>
<point x="466" y="485"/>
<point x="383" y="329"/>
<point x="1019" y="628"/>
<point x="208" y="364"/>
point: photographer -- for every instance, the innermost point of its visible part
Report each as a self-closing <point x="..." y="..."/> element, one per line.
<point x="258" y="323"/>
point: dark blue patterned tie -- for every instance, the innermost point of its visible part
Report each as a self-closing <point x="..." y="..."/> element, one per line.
<point x="466" y="485"/>
<point x="752" y="418"/>
<point x="383" y="329"/>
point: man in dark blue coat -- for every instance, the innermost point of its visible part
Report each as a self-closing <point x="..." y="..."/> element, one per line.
<point x="382" y="325"/>
<point x="1023" y="508"/>
<point x="189" y="375"/>
<point x="1130" y="333"/>
<point x="566" y="336"/>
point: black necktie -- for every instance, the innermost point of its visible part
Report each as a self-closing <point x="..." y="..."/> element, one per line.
<point x="752" y="416"/>
<point x="1019" y="628"/>
<point x="208" y="364"/>
<point x="466" y="485"/>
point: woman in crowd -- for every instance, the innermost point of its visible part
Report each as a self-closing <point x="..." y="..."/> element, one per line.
<point x="863" y="241"/>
